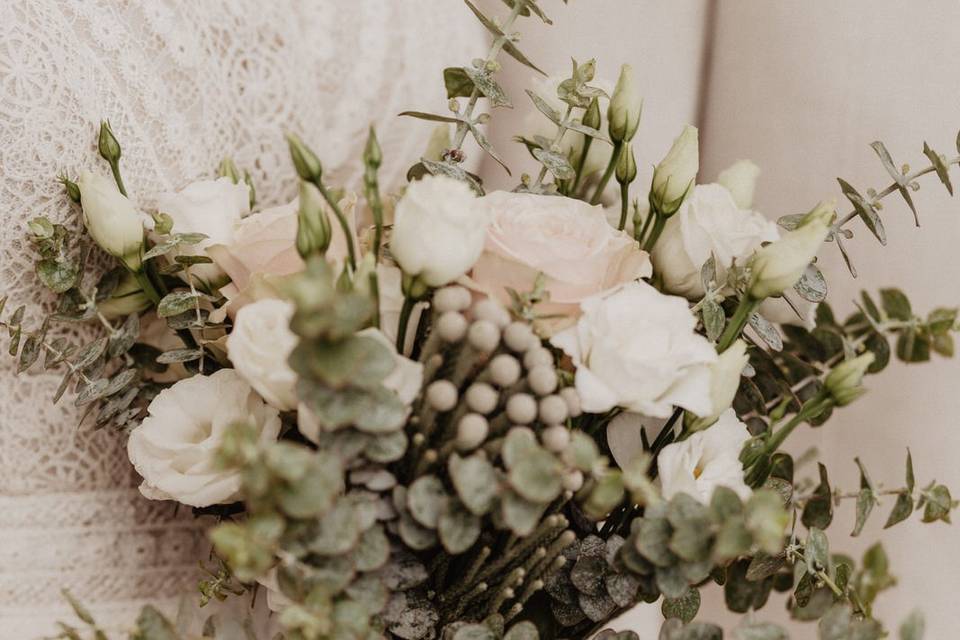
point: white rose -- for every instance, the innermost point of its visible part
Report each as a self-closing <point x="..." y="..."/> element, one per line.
<point x="706" y="460"/>
<point x="708" y="223"/>
<point x="210" y="207"/>
<point x="259" y="346"/>
<point x="740" y="179"/>
<point x="439" y="231"/>
<point x="405" y="380"/>
<point x="111" y="219"/>
<point x="175" y="446"/>
<point x="637" y="348"/>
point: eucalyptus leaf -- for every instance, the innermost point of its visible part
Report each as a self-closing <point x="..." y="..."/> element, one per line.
<point x="177" y="302"/>
<point x="714" y="320"/>
<point x="939" y="166"/>
<point x="458" y="82"/>
<point x="556" y="163"/>
<point x="457" y="528"/>
<point x="432" y="117"/>
<point x="485" y="83"/>
<point x="544" y="107"/>
<point x="475" y="481"/>
<point x="767" y="331"/>
<point x="684" y="608"/>
<point x="58" y="275"/>
<point x="812" y="286"/>
<point x="180" y="355"/>
<point x="866" y="211"/>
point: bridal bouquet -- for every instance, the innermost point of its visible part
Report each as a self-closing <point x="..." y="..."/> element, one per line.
<point x="445" y="413"/>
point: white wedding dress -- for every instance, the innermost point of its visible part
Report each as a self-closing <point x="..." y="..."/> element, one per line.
<point x="184" y="83"/>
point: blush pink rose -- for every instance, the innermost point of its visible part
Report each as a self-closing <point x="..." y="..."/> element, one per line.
<point x="567" y="240"/>
<point x="264" y="247"/>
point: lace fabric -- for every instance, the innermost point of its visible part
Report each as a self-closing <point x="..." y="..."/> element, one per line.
<point x="184" y="83"/>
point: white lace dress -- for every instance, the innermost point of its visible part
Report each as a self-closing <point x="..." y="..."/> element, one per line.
<point x="184" y="82"/>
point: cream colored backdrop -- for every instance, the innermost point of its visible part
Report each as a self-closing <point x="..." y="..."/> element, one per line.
<point x="802" y="87"/>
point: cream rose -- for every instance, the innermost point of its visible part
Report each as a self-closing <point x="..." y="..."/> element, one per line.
<point x="111" y="219"/>
<point x="567" y="240"/>
<point x="708" y="223"/>
<point x="264" y="245"/>
<point x="438" y="232"/>
<point x="259" y="346"/>
<point x="706" y="460"/>
<point x="210" y="207"/>
<point x="637" y="348"/>
<point x="405" y="380"/>
<point x="174" y="448"/>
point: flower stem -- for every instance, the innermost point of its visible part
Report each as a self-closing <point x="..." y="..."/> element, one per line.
<point x="611" y="167"/>
<point x="624" y="205"/>
<point x="581" y="173"/>
<point x="737" y="322"/>
<point x="658" y="224"/>
<point x="342" y="219"/>
<point x="405" y="311"/>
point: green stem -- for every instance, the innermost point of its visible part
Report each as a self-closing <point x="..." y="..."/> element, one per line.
<point x="646" y="227"/>
<point x="581" y="173"/>
<point x="342" y="219"/>
<point x="658" y="226"/>
<point x="405" y="311"/>
<point x="624" y="205"/>
<point x="737" y="322"/>
<point x="115" y="168"/>
<point x="611" y="167"/>
<point x="148" y="289"/>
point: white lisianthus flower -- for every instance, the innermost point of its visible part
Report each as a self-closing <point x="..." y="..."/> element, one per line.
<point x="259" y="346"/>
<point x="175" y="446"/>
<point x="844" y="382"/>
<point x="210" y="207"/>
<point x="626" y="106"/>
<point x="740" y="179"/>
<point x="438" y="232"/>
<point x="724" y="381"/>
<point x="778" y="266"/>
<point x="111" y="219"/>
<point x="637" y="348"/>
<point x="707" y="223"/>
<point x="405" y="380"/>
<point x="706" y="460"/>
<point x="677" y="171"/>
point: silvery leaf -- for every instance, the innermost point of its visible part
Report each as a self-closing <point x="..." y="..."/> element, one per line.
<point x="432" y="117"/>
<point x="767" y="331"/>
<point x="458" y="82"/>
<point x="484" y="143"/>
<point x="557" y="163"/>
<point x="714" y="319"/>
<point x="180" y="355"/>
<point x="939" y="166"/>
<point x="544" y="107"/>
<point x="485" y="83"/>
<point x="897" y="176"/>
<point x="866" y="211"/>
<point x="812" y="286"/>
<point x="508" y="46"/>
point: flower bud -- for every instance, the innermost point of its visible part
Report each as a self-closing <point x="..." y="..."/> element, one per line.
<point x="625" y="108"/>
<point x="724" y="382"/>
<point x="592" y="117"/>
<point x="107" y="144"/>
<point x="779" y="265"/>
<point x="73" y="191"/>
<point x="740" y="179"/>
<point x="228" y="169"/>
<point x="305" y="161"/>
<point x="127" y="298"/>
<point x="313" y="225"/>
<point x="372" y="154"/>
<point x="844" y="381"/>
<point x="675" y="174"/>
<point x="626" y="167"/>
<point x="111" y="219"/>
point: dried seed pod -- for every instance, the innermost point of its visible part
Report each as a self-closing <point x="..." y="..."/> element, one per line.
<point x="573" y="481"/>
<point x="518" y="336"/>
<point x="556" y="438"/>
<point x="521" y="408"/>
<point x="504" y="370"/>
<point x="442" y="395"/>
<point x="483" y="335"/>
<point x="454" y="298"/>
<point x="452" y="326"/>
<point x="491" y="311"/>
<point x="572" y="398"/>
<point x="553" y="410"/>
<point x="472" y="430"/>
<point x="542" y="379"/>
<point x="482" y="398"/>
<point x="537" y="356"/>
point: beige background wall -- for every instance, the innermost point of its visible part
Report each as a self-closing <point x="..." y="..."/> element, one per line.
<point x="802" y="87"/>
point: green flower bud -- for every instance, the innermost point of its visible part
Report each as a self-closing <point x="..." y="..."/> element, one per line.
<point x="844" y="381"/>
<point x="592" y="117"/>
<point x="73" y="191"/>
<point x="625" y="108"/>
<point x="305" y="161"/>
<point x="107" y="144"/>
<point x="779" y="265"/>
<point x="313" y="224"/>
<point x="626" y="167"/>
<point x="372" y="154"/>
<point x="127" y="298"/>
<point x="674" y="176"/>
<point x="111" y="219"/>
<point x="228" y="169"/>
